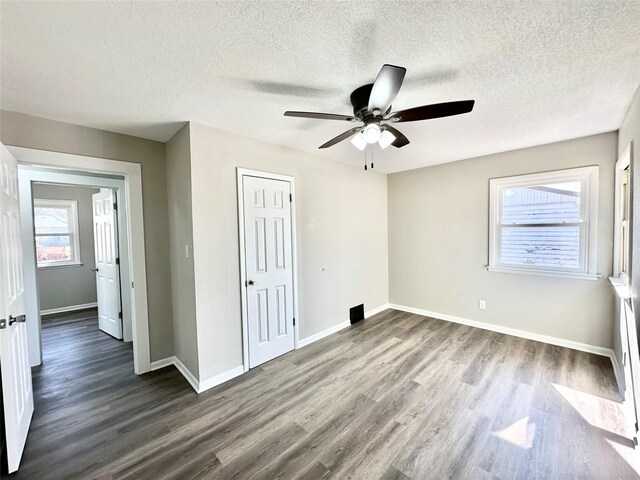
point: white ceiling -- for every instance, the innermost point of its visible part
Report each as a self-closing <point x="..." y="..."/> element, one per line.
<point x="539" y="71"/>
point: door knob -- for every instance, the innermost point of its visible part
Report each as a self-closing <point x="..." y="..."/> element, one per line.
<point x="251" y="282"/>
<point x="94" y="269"/>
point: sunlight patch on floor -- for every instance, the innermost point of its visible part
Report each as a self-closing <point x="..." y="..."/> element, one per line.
<point x="599" y="412"/>
<point x="628" y="454"/>
<point x="520" y="433"/>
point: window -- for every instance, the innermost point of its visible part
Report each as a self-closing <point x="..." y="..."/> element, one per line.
<point x="622" y="213"/>
<point x="56" y="232"/>
<point x="545" y="223"/>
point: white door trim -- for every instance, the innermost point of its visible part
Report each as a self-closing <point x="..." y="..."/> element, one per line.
<point x="131" y="197"/>
<point x="242" y="172"/>
<point x="624" y="161"/>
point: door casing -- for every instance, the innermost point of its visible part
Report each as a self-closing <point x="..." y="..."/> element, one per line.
<point x="132" y="254"/>
<point x="242" y="172"/>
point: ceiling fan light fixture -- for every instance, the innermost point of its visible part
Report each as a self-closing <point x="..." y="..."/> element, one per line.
<point x="371" y="133"/>
<point x="358" y="141"/>
<point x="386" y="139"/>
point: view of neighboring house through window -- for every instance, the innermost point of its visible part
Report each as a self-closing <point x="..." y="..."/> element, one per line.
<point x="56" y="232"/>
<point x="545" y="223"/>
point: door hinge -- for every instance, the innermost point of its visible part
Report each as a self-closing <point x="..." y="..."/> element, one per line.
<point x="117" y="260"/>
<point x="120" y="315"/>
<point x="291" y="197"/>
<point x="115" y="206"/>
<point x="294" y="321"/>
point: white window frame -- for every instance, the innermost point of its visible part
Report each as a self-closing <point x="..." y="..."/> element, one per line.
<point x="588" y="176"/>
<point x="74" y="233"/>
<point x="623" y="164"/>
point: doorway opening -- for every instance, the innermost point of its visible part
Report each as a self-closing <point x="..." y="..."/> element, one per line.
<point x="117" y="254"/>
<point x="76" y="238"/>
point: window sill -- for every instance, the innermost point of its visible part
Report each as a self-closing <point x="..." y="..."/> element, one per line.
<point x="60" y="265"/>
<point x="621" y="287"/>
<point x="545" y="273"/>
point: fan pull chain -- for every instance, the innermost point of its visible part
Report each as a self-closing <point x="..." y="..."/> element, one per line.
<point x="366" y="163"/>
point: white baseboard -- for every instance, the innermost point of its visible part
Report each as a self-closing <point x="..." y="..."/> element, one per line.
<point x="199" y="387"/>
<point x="70" y="308"/>
<point x="561" y="342"/>
<point x="375" y="311"/>
<point x="336" y="328"/>
<point x="186" y="373"/>
<point x="219" y="379"/>
<point x="165" y="362"/>
<point x="618" y="371"/>
<point x="314" y="338"/>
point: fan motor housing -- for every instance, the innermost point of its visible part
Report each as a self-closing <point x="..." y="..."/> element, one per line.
<point x="360" y="99"/>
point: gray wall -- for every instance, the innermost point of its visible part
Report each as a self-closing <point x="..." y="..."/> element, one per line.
<point x="33" y="132"/>
<point x="438" y="244"/>
<point x="67" y="286"/>
<point x="341" y="214"/>
<point x="181" y="234"/>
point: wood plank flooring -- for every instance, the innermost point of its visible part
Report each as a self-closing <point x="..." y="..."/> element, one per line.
<point x="398" y="396"/>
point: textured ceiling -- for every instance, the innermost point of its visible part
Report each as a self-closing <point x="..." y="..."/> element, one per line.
<point x="539" y="71"/>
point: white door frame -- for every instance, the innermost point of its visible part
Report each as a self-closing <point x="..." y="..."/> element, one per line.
<point x="624" y="162"/>
<point x="242" y="172"/>
<point x="133" y="263"/>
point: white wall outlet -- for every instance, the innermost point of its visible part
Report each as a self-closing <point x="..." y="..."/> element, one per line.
<point x="186" y="250"/>
<point x="482" y="304"/>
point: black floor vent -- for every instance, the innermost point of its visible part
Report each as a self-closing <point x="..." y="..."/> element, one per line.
<point x="356" y="313"/>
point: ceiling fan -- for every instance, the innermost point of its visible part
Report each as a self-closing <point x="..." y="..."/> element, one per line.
<point x="372" y="106"/>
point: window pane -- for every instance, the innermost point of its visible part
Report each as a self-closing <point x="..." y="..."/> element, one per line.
<point x="547" y="203"/>
<point x="51" y="220"/>
<point x="54" y="248"/>
<point x="541" y="246"/>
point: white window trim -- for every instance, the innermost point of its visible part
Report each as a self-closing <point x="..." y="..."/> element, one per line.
<point x="589" y="177"/>
<point x="75" y="233"/>
<point x="624" y="162"/>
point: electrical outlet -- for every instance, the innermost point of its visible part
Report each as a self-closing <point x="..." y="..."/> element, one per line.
<point x="482" y="304"/>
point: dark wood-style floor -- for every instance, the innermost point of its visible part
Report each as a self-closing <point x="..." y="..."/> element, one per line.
<point x="397" y="396"/>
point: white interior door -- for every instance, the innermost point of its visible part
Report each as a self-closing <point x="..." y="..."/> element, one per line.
<point x="17" y="390"/>
<point x="105" y="236"/>
<point x="269" y="268"/>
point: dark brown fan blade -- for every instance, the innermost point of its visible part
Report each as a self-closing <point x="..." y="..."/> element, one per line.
<point x="437" y="110"/>
<point x="400" y="140"/>
<point x="341" y="137"/>
<point x="320" y="116"/>
<point x="386" y="87"/>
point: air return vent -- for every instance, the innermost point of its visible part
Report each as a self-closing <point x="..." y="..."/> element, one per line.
<point x="356" y="313"/>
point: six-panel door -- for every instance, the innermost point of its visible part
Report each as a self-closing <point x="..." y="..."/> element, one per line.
<point x="269" y="268"/>
<point x="17" y="389"/>
<point x="105" y="237"/>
